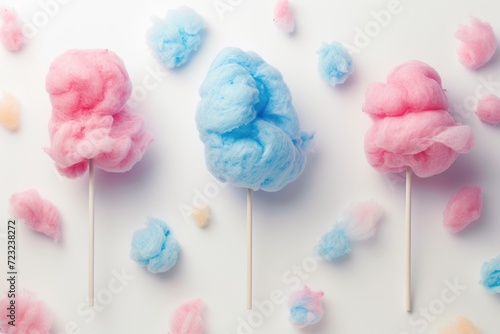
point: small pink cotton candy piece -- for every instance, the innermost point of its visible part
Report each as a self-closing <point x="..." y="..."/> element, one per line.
<point x="11" y="31"/>
<point x="187" y="318"/>
<point x="40" y="215"/>
<point x="461" y="325"/>
<point x="478" y="43"/>
<point x="283" y="16"/>
<point x="306" y="307"/>
<point x="32" y="315"/>
<point x="463" y="208"/>
<point x="89" y="90"/>
<point x="488" y="109"/>
<point x="411" y="123"/>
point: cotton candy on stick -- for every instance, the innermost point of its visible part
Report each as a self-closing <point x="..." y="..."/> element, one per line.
<point x="412" y="132"/>
<point x="250" y="129"/>
<point x="91" y="125"/>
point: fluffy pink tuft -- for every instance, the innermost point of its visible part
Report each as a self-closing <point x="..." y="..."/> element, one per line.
<point x="283" y="16"/>
<point x="11" y="31"/>
<point x="478" y="43"/>
<point x="463" y="208"/>
<point x="39" y="215"/>
<point x="412" y="127"/>
<point x="187" y="318"/>
<point x="488" y="109"/>
<point x="32" y="315"/>
<point x="88" y="90"/>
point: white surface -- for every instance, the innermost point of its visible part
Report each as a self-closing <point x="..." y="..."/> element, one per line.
<point x="364" y="293"/>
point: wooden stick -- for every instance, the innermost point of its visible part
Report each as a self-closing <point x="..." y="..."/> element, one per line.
<point x="249" y="249"/>
<point x="91" y="232"/>
<point x="408" y="239"/>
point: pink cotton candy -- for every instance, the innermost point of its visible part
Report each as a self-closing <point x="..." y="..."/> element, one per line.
<point x="306" y="307"/>
<point x="411" y="123"/>
<point x="32" y="315"/>
<point x="187" y="318"/>
<point x="478" y="43"/>
<point x="39" y="215"/>
<point x="283" y="16"/>
<point x="89" y="90"/>
<point x="488" y="109"/>
<point x="11" y="31"/>
<point x="463" y="208"/>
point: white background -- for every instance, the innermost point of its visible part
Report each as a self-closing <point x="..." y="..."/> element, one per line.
<point x="365" y="292"/>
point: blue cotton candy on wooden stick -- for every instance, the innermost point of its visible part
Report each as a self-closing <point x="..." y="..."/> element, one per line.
<point x="248" y="124"/>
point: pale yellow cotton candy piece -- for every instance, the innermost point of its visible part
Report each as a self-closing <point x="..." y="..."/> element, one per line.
<point x="9" y="112"/>
<point x="460" y="326"/>
<point x="201" y="215"/>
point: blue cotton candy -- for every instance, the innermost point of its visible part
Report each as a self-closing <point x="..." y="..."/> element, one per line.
<point x="175" y="38"/>
<point x="359" y="222"/>
<point x="154" y="247"/>
<point x="335" y="63"/>
<point x="333" y="244"/>
<point x="490" y="275"/>
<point x="248" y="123"/>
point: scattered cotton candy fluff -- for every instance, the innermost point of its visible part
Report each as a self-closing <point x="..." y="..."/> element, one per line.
<point x="463" y="208"/>
<point x="306" y="307"/>
<point x="359" y="222"/>
<point x="412" y="126"/>
<point x="11" y="31"/>
<point x="478" y="43"/>
<point x="154" y="247"/>
<point x="488" y="109"/>
<point x="335" y="63"/>
<point x="283" y="16"/>
<point x="490" y="275"/>
<point x="248" y="123"/>
<point x="177" y="37"/>
<point x="89" y="90"/>
<point x="39" y="214"/>
<point x="9" y="112"/>
<point x="460" y="326"/>
<point x="187" y="318"/>
<point x="31" y="315"/>
<point x="201" y="215"/>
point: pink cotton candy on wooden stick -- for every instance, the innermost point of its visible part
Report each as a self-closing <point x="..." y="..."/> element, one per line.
<point x="39" y="214"/>
<point x="11" y="31"/>
<point x="463" y="208"/>
<point x="412" y="132"/>
<point x="478" y="43"/>
<point x="187" y="318"/>
<point x="91" y="125"/>
<point x="488" y="109"/>
<point x="283" y="16"/>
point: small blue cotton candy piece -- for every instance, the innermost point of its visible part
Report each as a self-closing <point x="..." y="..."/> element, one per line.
<point x="333" y="244"/>
<point x="175" y="38"/>
<point x="154" y="247"/>
<point x="248" y="123"/>
<point x="335" y="63"/>
<point x="490" y="275"/>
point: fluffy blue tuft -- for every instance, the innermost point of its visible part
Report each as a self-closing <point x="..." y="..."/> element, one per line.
<point x="248" y="123"/>
<point x="154" y="247"/>
<point x="333" y="244"/>
<point x="490" y="275"/>
<point x="175" y="38"/>
<point x="335" y="63"/>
